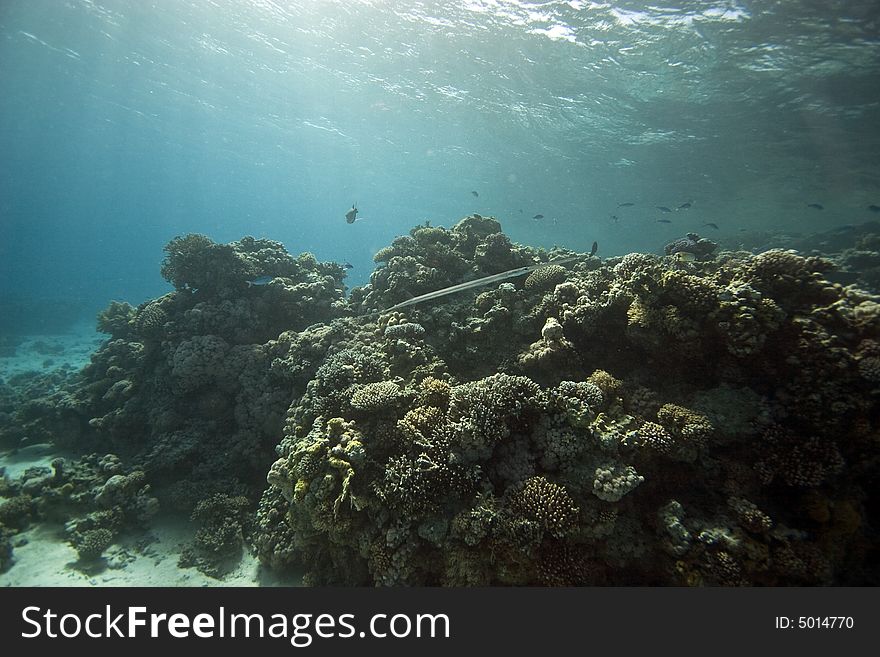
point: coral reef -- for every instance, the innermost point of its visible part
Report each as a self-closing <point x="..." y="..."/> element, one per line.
<point x="90" y="544"/>
<point x="656" y="473"/>
<point x="642" y="420"/>
<point x="224" y="522"/>
<point x="95" y="497"/>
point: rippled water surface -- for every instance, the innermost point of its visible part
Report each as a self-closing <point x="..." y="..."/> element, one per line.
<point x="126" y="123"/>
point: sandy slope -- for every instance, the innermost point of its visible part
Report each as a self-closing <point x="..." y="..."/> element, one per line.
<point x="43" y="353"/>
<point x="42" y="555"/>
<point x="144" y="560"/>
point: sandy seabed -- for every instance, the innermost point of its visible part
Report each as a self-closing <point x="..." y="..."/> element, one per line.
<point x="43" y="557"/>
<point x="42" y="554"/>
<point x="44" y="353"/>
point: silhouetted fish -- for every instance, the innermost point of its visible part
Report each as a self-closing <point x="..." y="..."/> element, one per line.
<point x="625" y="205"/>
<point x="614" y="218"/>
<point x="538" y="216"/>
<point x="351" y="215"/>
<point x="347" y="265"/>
<point x="594" y="249"/>
<point x="474" y="193"/>
<point x="662" y="208"/>
<point x="664" y="221"/>
<point x="815" y="205"/>
<point x="874" y="208"/>
<point x="711" y="225"/>
<point x="685" y="206"/>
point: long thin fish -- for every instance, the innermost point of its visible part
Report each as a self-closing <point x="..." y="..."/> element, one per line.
<point x="486" y="280"/>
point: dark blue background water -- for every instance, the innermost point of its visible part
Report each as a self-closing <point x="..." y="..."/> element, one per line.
<point x="124" y="123"/>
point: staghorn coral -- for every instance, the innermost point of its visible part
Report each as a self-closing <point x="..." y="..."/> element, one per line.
<point x="547" y="504"/>
<point x="481" y="413"/>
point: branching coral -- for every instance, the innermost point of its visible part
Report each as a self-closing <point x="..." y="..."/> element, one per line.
<point x="547" y="504"/>
<point x="217" y="545"/>
<point x="115" y="319"/>
<point x="726" y="434"/>
<point x="481" y="413"/>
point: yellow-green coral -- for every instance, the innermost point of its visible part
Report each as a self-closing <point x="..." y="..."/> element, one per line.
<point x="608" y="384"/>
<point x="421" y="423"/>
<point x="434" y="392"/>
<point x="547" y="504"/>
<point x="653" y="436"/>
<point x="688" y="425"/>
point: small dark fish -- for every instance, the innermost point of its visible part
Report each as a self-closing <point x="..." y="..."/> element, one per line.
<point x="711" y="225"/>
<point x="615" y="218"/>
<point x="538" y="216"/>
<point x="347" y="265"/>
<point x="874" y="208"/>
<point x="815" y="205"/>
<point x="594" y="249"/>
<point x="664" y="221"/>
<point x="474" y="193"/>
<point x="662" y="208"/>
<point x="625" y="205"/>
<point x="685" y="206"/>
<point x="351" y="215"/>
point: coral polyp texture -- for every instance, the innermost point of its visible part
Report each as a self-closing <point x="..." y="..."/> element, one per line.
<point x="645" y="419"/>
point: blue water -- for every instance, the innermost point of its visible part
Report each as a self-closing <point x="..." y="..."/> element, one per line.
<point x="124" y="123"/>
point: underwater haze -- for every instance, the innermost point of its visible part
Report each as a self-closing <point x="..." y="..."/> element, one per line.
<point x="126" y="123"/>
<point x="466" y="293"/>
